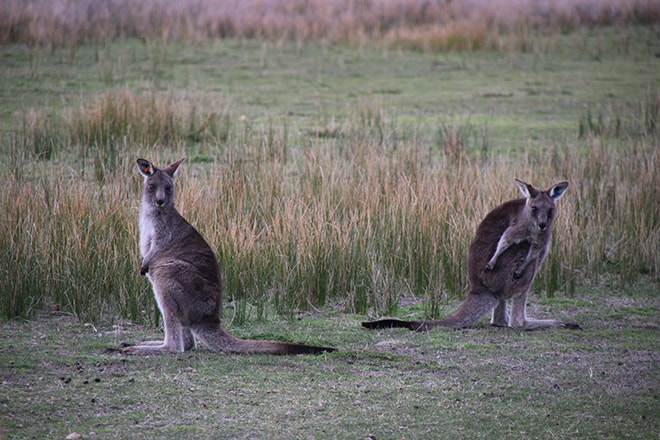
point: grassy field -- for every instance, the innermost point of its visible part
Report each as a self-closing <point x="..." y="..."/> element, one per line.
<point x="337" y="179"/>
<point x="481" y="382"/>
<point x="322" y="173"/>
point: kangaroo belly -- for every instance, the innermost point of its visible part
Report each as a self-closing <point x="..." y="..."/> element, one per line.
<point x="195" y="292"/>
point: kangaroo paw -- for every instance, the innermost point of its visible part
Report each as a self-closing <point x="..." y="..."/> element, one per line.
<point x="571" y="326"/>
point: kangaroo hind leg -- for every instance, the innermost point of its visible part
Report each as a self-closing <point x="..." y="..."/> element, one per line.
<point x="500" y="317"/>
<point x="520" y="320"/>
<point x="177" y="339"/>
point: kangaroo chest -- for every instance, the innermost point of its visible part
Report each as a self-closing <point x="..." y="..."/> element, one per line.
<point x="155" y="231"/>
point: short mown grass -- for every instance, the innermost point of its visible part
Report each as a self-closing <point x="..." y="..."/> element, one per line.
<point x="481" y="382"/>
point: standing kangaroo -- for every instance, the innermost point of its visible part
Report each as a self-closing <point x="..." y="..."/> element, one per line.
<point x="504" y="257"/>
<point x="185" y="277"/>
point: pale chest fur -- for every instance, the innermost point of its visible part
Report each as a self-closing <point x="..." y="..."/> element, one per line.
<point x="147" y="231"/>
<point x="158" y="227"/>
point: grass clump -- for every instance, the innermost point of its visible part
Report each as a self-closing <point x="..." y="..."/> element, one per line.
<point x="121" y="116"/>
<point x="102" y="128"/>
<point x="105" y="126"/>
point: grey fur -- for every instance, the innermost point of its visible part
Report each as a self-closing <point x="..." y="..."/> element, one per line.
<point x="185" y="276"/>
<point x="504" y="257"/>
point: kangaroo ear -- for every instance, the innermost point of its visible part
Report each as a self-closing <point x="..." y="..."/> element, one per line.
<point x="526" y="189"/>
<point x="146" y="168"/>
<point x="173" y="167"/>
<point x="558" y="190"/>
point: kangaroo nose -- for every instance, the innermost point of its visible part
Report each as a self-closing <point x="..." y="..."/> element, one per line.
<point x="542" y="226"/>
<point x="160" y="202"/>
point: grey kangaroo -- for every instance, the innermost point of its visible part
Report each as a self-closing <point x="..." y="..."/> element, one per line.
<point x="185" y="276"/>
<point x="503" y="259"/>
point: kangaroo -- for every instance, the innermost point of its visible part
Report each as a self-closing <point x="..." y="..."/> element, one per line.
<point x="530" y="224"/>
<point x="185" y="276"/>
<point x="504" y="257"/>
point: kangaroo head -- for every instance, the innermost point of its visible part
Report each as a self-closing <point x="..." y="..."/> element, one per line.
<point x="158" y="184"/>
<point x="540" y="206"/>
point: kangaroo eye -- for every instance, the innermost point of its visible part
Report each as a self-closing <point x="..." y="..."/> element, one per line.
<point x="168" y="189"/>
<point x="551" y="212"/>
<point x="534" y="209"/>
<point x="152" y="187"/>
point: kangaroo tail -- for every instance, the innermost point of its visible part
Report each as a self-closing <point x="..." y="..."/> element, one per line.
<point x="470" y="311"/>
<point x="392" y="323"/>
<point x="218" y="339"/>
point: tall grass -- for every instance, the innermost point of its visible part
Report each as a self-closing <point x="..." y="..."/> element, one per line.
<point x="427" y="25"/>
<point x="359" y="219"/>
<point x="70" y="246"/>
<point x="103" y="128"/>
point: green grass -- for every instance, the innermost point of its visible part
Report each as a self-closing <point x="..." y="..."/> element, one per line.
<point x="482" y="382"/>
<point x="315" y="85"/>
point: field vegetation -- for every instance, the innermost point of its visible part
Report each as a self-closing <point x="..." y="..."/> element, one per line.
<point x="340" y="156"/>
<point x="317" y="174"/>
<point x="420" y="25"/>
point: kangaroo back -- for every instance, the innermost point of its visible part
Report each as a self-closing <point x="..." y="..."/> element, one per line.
<point x="185" y="276"/>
